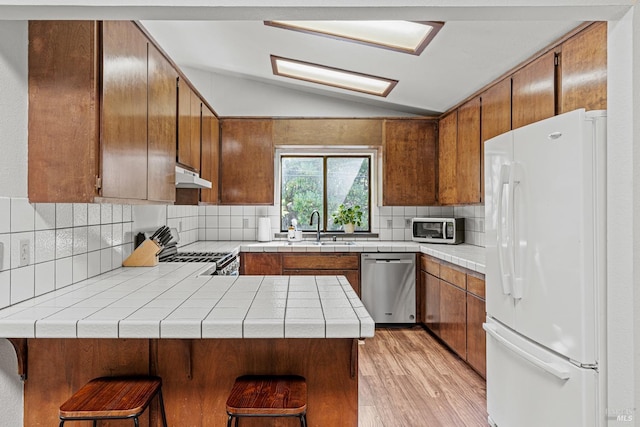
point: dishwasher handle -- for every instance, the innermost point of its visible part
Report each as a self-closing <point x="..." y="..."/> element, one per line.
<point x="391" y="261"/>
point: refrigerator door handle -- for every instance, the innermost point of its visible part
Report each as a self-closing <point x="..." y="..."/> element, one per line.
<point x="517" y="283"/>
<point x="505" y="269"/>
<point x="551" y="368"/>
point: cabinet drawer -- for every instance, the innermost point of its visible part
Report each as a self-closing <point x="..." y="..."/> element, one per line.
<point x="321" y="262"/>
<point x="454" y="275"/>
<point x="476" y="284"/>
<point x="430" y="265"/>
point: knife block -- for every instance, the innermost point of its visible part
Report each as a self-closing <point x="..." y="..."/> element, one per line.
<point x="145" y="255"/>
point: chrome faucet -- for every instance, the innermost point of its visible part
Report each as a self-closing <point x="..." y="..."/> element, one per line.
<point x="311" y="223"/>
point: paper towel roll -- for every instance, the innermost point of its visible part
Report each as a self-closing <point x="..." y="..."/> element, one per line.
<point x="264" y="229"/>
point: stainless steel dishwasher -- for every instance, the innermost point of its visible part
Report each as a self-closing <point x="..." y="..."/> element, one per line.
<point x="388" y="286"/>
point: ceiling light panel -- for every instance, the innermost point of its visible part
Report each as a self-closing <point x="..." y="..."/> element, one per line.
<point x="329" y="76"/>
<point x="403" y="36"/>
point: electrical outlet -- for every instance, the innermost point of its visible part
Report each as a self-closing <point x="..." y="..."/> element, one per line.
<point x="245" y="222"/>
<point x="389" y="224"/>
<point x="180" y="226"/>
<point x="24" y="252"/>
<point x="407" y="223"/>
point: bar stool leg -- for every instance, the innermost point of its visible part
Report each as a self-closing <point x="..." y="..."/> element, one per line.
<point x="162" y="412"/>
<point x="303" y="420"/>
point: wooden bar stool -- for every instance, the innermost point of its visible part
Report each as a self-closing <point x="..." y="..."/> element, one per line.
<point x="109" y="398"/>
<point x="268" y="396"/>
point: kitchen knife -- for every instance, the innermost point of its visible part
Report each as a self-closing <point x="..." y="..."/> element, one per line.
<point x="166" y="238"/>
<point x="156" y="233"/>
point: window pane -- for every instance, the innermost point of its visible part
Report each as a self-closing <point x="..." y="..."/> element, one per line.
<point x="348" y="184"/>
<point x="302" y="188"/>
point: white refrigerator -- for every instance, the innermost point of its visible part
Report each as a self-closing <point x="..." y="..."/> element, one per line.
<point x="545" y="272"/>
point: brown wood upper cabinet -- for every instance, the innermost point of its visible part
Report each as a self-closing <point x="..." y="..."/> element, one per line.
<point x="79" y="152"/>
<point x="189" y="126"/>
<point x="534" y="91"/>
<point x="583" y="64"/>
<point x="210" y="155"/>
<point x="495" y="117"/>
<point x="409" y="176"/>
<point x="246" y="162"/>
<point x="459" y="155"/>
<point x="162" y="112"/>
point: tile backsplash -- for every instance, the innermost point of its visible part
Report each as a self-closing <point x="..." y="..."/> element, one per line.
<point x="46" y="246"/>
<point x="473" y="223"/>
<point x="390" y="223"/>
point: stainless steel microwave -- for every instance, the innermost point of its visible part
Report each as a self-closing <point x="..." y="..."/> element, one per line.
<point x="438" y="230"/>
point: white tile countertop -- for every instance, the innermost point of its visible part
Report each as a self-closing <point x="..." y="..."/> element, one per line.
<point x="172" y="300"/>
<point x="467" y="256"/>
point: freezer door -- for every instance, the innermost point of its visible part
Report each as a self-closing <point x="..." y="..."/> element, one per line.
<point x="498" y="154"/>
<point x="528" y="386"/>
<point x="555" y="231"/>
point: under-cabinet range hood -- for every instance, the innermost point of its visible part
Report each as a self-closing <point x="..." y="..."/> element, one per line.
<point x="188" y="179"/>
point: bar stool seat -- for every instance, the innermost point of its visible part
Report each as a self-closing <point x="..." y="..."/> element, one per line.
<point x="113" y="398"/>
<point x="268" y="396"/>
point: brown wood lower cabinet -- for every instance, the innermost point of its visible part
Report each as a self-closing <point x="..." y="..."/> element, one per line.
<point x="432" y="302"/>
<point x="302" y="264"/>
<point x="476" y="340"/>
<point x="197" y="376"/>
<point x="453" y="318"/>
<point x="454" y="308"/>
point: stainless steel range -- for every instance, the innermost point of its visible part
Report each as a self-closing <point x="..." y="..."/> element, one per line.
<point x="220" y="263"/>
<point x="225" y="263"/>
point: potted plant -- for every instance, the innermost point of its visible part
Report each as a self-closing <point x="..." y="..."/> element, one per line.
<point x="349" y="217"/>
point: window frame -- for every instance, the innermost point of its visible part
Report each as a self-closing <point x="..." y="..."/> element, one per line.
<point x="369" y="154"/>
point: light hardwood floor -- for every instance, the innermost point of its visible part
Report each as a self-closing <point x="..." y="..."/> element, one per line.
<point x="408" y="379"/>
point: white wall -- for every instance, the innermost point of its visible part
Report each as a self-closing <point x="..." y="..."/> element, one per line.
<point x="13" y="180"/>
<point x="13" y="108"/>
<point x="622" y="312"/>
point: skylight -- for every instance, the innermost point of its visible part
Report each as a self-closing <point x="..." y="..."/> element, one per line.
<point x="331" y="76"/>
<point x="403" y="36"/>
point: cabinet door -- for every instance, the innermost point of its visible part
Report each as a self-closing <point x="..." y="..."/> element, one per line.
<point x="124" y="111"/>
<point x="453" y="317"/>
<point x="432" y="303"/>
<point x="476" y="340"/>
<point x="210" y="155"/>
<point x="246" y="162"/>
<point x="468" y="153"/>
<point x="63" y="55"/>
<point x="162" y="128"/>
<point x="184" y="123"/>
<point x="409" y="163"/>
<point x="260" y="263"/>
<point x="318" y="262"/>
<point x="495" y="118"/>
<point x="584" y="70"/>
<point x="534" y="91"/>
<point x="196" y="131"/>
<point x="447" y="151"/>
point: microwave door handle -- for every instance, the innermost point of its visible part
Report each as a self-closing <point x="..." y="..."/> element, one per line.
<point x="444" y="230"/>
<point x="505" y="272"/>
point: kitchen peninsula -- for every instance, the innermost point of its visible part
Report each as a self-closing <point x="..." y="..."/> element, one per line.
<point x="198" y="333"/>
